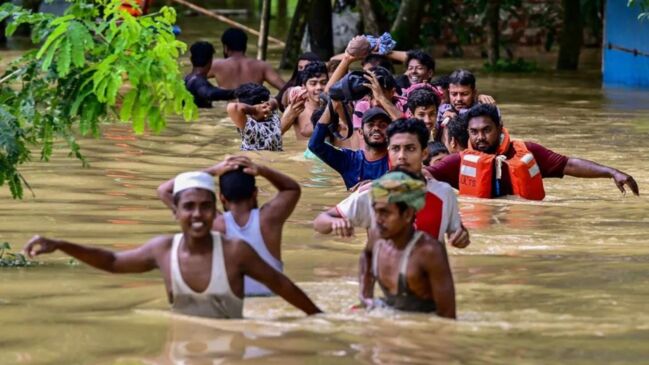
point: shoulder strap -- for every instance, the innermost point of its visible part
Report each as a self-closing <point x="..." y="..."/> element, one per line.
<point x="403" y="265"/>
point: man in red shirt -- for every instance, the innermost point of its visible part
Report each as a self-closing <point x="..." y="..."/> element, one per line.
<point x="488" y="138"/>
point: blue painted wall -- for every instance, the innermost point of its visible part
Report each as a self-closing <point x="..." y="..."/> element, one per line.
<point x="625" y="30"/>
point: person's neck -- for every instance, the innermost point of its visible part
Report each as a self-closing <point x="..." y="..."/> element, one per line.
<point x="401" y="239"/>
<point x="236" y="55"/>
<point x="241" y="211"/>
<point x="201" y="71"/>
<point x="373" y="154"/>
<point x="198" y="244"/>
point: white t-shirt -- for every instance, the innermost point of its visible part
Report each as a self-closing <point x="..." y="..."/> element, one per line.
<point x="439" y="215"/>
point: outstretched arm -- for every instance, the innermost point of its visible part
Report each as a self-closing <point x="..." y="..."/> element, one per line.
<point x="138" y="260"/>
<point x="436" y="264"/>
<point x="273" y="77"/>
<point x="253" y="266"/>
<point x="341" y="70"/>
<point x="578" y="167"/>
<point x="331" y="221"/>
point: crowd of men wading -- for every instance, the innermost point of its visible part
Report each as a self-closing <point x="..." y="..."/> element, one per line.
<point x="402" y="144"/>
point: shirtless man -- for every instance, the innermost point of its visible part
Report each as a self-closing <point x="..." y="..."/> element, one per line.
<point x="203" y="271"/>
<point x="260" y="227"/>
<point x="237" y="69"/>
<point x="410" y="266"/>
<point x="304" y="100"/>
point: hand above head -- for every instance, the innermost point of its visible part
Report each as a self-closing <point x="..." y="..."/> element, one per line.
<point x="460" y="238"/>
<point x="622" y="179"/>
<point x="39" y="245"/>
<point x="222" y="167"/>
<point x="486" y="99"/>
<point x="342" y="227"/>
<point x="262" y="111"/>
<point x="249" y="167"/>
<point x="374" y="85"/>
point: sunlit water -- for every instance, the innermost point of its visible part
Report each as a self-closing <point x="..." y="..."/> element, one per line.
<point x="561" y="281"/>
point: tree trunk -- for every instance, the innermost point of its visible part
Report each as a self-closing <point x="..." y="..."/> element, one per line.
<point x="571" y="37"/>
<point x="492" y="17"/>
<point x="262" y="43"/>
<point x="368" y="15"/>
<point x="295" y="34"/>
<point x="406" y="26"/>
<point x="321" y="35"/>
<point x="282" y="7"/>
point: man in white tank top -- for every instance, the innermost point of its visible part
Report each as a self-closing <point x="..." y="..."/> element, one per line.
<point x="203" y="271"/>
<point x="261" y="227"/>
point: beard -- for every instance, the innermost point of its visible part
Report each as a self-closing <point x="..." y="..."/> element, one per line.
<point x="375" y="145"/>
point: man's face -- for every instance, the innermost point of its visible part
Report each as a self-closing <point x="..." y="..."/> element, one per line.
<point x="417" y="72"/>
<point x="301" y="64"/>
<point x="484" y="134"/>
<point x="375" y="133"/>
<point x="405" y="151"/>
<point x="195" y="212"/>
<point x="428" y="114"/>
<point x="389" y="220"/>
<point x="462" y="96"/>
<point x="315" y="86"/>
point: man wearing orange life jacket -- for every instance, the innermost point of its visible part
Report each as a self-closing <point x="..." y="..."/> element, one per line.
<point x="493" y="165"/>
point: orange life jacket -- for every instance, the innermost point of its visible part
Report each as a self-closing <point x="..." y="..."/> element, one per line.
<point x="143" y="7"/>
<point x="477" y="171"/>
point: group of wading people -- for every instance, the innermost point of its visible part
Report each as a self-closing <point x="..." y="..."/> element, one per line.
<point x="401" y="144"/>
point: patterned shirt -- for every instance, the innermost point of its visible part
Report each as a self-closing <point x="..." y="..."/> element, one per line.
<point x="262" y="136"/>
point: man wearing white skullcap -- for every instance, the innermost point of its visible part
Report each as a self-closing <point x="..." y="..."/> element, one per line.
<point x="193" y="263"/>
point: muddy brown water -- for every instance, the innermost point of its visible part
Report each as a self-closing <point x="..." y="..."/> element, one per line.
<point x="560" y="281"/>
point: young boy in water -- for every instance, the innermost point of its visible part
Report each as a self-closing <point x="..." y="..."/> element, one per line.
<point x="410" y="266"/>
<point x="202" y="270"/>
<point x="304" y="100"/>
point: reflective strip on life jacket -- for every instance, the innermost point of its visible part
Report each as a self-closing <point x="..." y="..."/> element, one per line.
<point x="525" y="173"/>
<point x="475" y="174"/>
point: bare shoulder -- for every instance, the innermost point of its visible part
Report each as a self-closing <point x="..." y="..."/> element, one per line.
<point x="429" y="248"/>
<point x="159" y="244"/>
<point x="235" y="245"/>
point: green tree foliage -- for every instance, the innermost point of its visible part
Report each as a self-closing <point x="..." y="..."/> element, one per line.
<point x="95" y="64"/>
<point x="644" y="7"/>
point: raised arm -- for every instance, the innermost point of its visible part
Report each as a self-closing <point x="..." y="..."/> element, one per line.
<point x="291" y="114"/>
<point x="280" y="207"/>
<point x="252" y="265"/>
<point x="435" y="261"/>
<point x="137" y="260"/>
<point x="340" y="71"/>
<point x="578" y="167"/>
<point x="332" y="156"/>
<point x="381" y="98"/>
<point x="238" y="112"/>
<point x="399" y="56"/>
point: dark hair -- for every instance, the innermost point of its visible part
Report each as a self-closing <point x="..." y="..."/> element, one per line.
<point x="462" y="77"/>
<point x="402" y="81"/>
<point x="458" y="129"/>
<point x="176" y="197"/>
<point x="235" y="39"/>
<point x="441" y="81"/>
<point x="483" y="110"/>
<point x="412" y="126"/>
<point x="201" y="53"/>
<point x="422" y="97"/>
<point x="378" y="60"/>
<point x="236" y="185"/>
<point x="313" y="69"/>
<point x="435" y="148"/>
<point x="251" y="93"/>
<point x="423" y="58"/>
<point x="385" y="78"/>
<point x="293" y="81"/>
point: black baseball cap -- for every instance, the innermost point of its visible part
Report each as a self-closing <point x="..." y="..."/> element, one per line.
<point x="374" y="113"/>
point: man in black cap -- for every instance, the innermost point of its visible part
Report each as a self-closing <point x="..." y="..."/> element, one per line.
<point x="355" y="166"/>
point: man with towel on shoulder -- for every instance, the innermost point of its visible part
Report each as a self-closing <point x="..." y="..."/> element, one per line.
<point x="203" y="271"/>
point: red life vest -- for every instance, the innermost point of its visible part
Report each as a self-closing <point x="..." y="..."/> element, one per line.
<point x="143" y="7"/>
<point x="477" y="171"/>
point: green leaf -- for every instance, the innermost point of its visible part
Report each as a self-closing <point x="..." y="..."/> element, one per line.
<point x="52" y="38"/>
<point x="64" y="57"/>
<point x="47" y="61"/>
<point x="127" y="105"/>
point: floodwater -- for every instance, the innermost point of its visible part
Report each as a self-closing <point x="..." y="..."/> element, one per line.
<point x="560" y="281"/>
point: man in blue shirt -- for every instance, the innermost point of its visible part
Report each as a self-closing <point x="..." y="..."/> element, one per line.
<point x="355" y="166"/>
